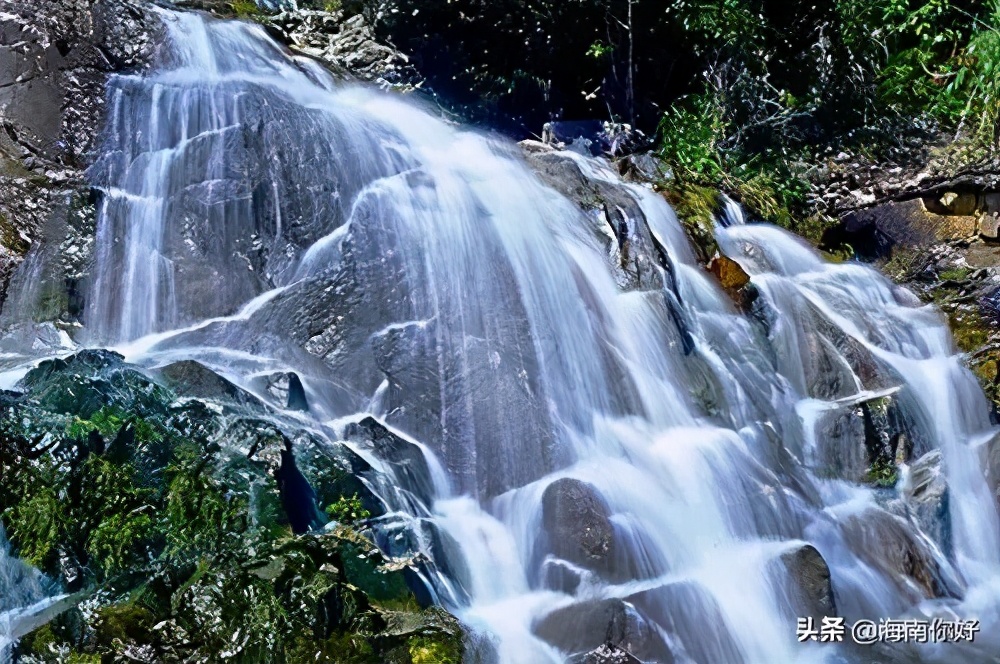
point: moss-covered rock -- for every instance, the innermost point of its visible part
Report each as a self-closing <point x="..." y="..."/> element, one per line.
<point x="172" y="517"/>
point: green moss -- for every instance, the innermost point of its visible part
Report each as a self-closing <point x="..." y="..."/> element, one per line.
<point x="970" y="330"/>
<point x="956" y="274"/>
<point x="883" y="473"/>
<point x="185" y="540"/>
<point x="428" y="650"/>
<point x="123" y="623"/>
<point x="245" y="9"/>
<point x="697" y="207"/>
<point x="11" y="238"/>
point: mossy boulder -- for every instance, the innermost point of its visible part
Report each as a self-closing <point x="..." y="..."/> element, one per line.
<point x="171" y="516"/>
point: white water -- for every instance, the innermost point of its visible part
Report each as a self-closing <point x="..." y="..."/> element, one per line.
<point x="241" y="185"/>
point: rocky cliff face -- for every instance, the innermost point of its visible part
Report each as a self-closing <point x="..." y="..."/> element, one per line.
<point x="55" y="59"/>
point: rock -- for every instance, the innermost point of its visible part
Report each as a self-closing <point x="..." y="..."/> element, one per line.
<point x="965" y="203"/>
<point x="404" y="459"/>
<point x="613" y="216"/>
<point x="926" y="493"/>
<point x="730" y="274"/>
<point x="179" y="488"/>
<point x="55" y="59"/>
<point x="607" y="655"/>
<point x="685" y="608"/>
<point x="990" y="456"/>
<point x="989" y="226"/>
<point x="347" y="44"/>
<point x="297" y="394"/>
<point x="194" y="379"/>
<point x="84" y="383"/>
<point x="580" y="629"/>
<point x="875" y="232"/>
<point x="734" y="281"/>
<point x="812" y="592"/>
<point x="890" y="544"/>
<point x="578" y="524"/>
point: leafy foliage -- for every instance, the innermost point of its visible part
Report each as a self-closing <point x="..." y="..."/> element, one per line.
<point x="348" y="510"/>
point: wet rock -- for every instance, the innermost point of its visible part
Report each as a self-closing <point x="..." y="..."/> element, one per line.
<point x="84" y="383"/>
<point x="284" y="388"/>
<point x="812" y="592"/>
<point x="561" y="576"/>
<point x="890" y="544"/>
<point x="194" y="379"/>
<point x="990" y="455"/>
<point x="684" y="609"/>
<point x="578" y="524"/>
<point x="404" y="459"/>
<point x="926" y="492"/>
<point x="613" y="216"/>
<point x="297" y="394"/>
<point x="55" y="59"/>
<point x="582" y="629"/>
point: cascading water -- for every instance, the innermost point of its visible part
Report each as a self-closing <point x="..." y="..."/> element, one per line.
<point x="647" y="453"/>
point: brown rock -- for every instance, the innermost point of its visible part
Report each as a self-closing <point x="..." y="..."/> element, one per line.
<point x="731" y="276"/>
<point x="877" y="231"/>
<point x="889" y="543"/>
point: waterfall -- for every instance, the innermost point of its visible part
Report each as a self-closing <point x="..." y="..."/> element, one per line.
<point x="651" y="452"/>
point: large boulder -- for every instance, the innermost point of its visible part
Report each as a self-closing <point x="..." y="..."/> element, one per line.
<point x="577" y="522"/>
<point x="193" y="379"/>
<point x="878" y="231"/>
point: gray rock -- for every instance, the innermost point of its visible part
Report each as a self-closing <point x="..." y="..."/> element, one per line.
<point x="346" y="44"/>
<point x="613" y="215"/>
<point x="606" y="654"/>
<point x="405" y="459"/>
<point x="193" y="379"/>
<point x="55" y="59"/>
<point x="990" y="455"/>
<point x="685" y="608"/>
<point x="582" y="629"/>
<point x="577" y="521"/>
<point x="812" y="591"/>
<point x="926" y="493"/>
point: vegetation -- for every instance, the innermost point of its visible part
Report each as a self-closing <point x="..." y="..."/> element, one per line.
<point x="245" y="8"/>
<point x="181" y="550"/>
<point x="742" y="95"/>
